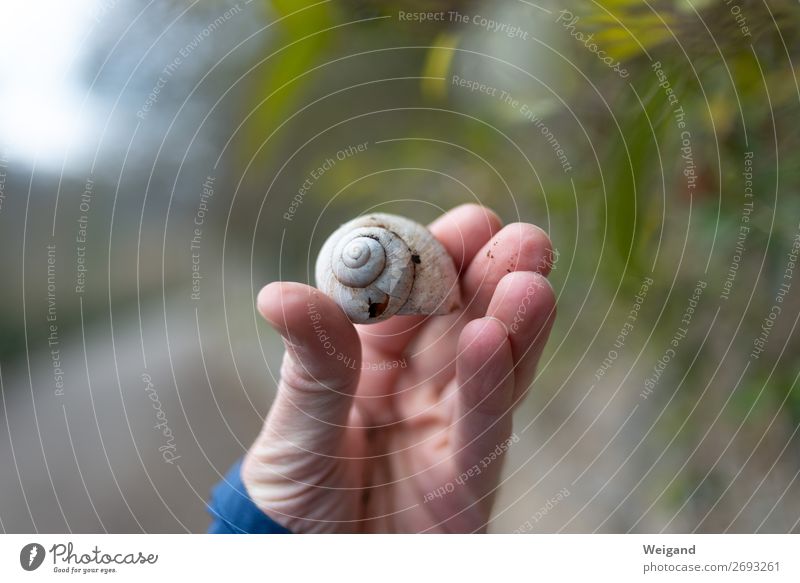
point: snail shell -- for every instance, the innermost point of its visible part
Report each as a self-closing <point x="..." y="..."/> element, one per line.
<point x="379" y="265"/>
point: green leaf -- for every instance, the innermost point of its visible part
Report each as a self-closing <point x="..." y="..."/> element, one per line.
<point x="302" y="39"/>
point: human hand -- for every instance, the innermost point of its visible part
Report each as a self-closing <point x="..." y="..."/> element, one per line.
<point x="401" y="426"/>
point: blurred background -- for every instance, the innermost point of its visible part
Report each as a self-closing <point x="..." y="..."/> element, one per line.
<point x="160" y="162"/>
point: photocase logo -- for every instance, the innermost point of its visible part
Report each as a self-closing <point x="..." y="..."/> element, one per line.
<point x="31" y="556"/>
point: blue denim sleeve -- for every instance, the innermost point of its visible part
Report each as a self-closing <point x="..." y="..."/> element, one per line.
<point x="234" y="512"/>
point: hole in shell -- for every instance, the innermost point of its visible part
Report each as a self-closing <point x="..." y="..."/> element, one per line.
<point x="377" y="308"/>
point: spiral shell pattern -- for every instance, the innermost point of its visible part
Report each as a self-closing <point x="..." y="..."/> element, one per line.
<point x="379" y="265"/>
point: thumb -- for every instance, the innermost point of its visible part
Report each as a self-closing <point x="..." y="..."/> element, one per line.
<point x="320" y="369"/>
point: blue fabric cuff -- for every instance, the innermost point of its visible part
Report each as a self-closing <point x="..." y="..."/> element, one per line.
<point x="234" y="512"/>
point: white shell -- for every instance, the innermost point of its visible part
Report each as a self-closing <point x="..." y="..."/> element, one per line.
<point x="379" y="265"/>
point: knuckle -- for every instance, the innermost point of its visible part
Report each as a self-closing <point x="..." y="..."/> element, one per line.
<point x="303" y="377"/>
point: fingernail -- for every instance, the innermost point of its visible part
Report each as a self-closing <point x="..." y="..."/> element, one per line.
<point x="499" y="321"/>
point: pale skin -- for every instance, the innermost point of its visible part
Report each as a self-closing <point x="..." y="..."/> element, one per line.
<point x="376" y="428"/>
